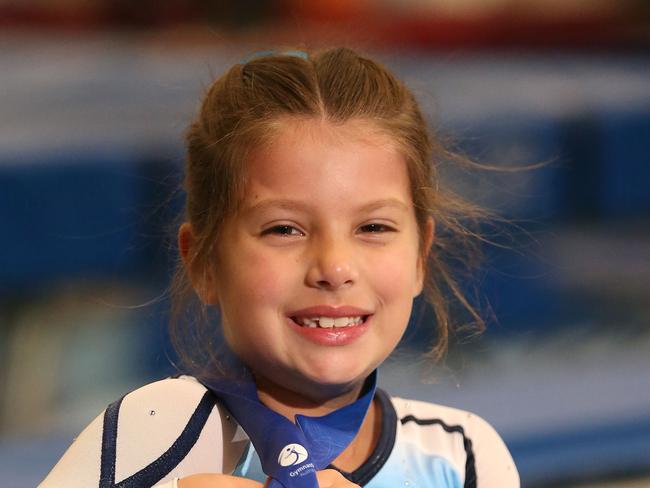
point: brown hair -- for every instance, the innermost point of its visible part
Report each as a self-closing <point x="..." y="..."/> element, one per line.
<point x="238" y="114"/>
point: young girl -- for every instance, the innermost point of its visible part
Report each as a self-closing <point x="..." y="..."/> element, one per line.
<point x="314" y="218"/>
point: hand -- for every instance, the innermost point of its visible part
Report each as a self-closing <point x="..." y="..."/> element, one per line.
<point x="214" y="480"/>
<point x="330" y="478"/>
<point x="327" y="478"/>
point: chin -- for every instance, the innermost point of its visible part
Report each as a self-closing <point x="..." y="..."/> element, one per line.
<point x="335" y="377"/>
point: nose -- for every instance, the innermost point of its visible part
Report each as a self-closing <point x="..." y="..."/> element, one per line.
<point x="332" y="265"/>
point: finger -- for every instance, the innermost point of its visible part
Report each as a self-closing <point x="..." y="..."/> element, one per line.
<point x="326" y="478"/>
<point x="330" y="478"/>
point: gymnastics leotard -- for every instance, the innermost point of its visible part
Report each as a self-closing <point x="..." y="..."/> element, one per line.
<point x="175" y="427"/>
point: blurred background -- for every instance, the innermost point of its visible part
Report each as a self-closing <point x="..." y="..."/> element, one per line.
<point x="95" y="96"/>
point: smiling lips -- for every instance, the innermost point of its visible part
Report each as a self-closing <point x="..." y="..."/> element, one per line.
<point x="326" y="317"/>
<point x="329" y="322"/>
<point x="331" y="325"/>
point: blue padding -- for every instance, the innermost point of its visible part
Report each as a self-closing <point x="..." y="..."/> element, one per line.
<point x="625" y="183"/>
<point x="511" y="142"/>
<point x="518" y="289"/>
<point x="584" y="453"/>
<point x="81" y="215"/>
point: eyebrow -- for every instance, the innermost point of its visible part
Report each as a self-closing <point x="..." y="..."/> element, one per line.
<point x="296" y="205"/>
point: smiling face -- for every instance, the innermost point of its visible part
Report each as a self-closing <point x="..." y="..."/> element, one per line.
<point x="316" y="275"/>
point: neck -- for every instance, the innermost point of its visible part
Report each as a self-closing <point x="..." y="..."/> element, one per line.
<point x="289" y="403"/>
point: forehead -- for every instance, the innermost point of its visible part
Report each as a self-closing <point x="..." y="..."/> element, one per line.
<point x="316" y="159"/>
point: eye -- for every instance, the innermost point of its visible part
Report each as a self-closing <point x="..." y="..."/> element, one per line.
<point x="376" y="228"/>
<point x="282" y="230"/>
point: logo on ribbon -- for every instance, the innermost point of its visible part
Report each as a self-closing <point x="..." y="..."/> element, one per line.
<point x="292" y="454"/>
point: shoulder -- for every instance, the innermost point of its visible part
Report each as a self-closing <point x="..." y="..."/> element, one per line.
<point x="470" y="443"/>
<point x="448" y="418"/>
<point x="172" y="427"/>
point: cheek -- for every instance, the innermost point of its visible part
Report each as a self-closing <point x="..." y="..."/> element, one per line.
<point x="254" y="280"/>
<point x="270" y="274"/>
<point x="397" y="275"/>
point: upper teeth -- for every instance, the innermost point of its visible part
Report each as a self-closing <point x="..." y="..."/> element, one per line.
<point x="328" y="322"/>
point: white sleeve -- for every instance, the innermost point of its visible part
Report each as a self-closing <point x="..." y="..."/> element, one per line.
<point x="80" y="464"/>
<point x="465" y="440"/>
<point x="168" y="429"/>
<point x="493" y="462"/>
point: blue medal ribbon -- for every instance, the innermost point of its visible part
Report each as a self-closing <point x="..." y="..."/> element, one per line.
<point x="292" y="453"/>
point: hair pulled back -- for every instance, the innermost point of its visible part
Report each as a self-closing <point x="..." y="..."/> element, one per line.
<point x="239" y="113"/>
